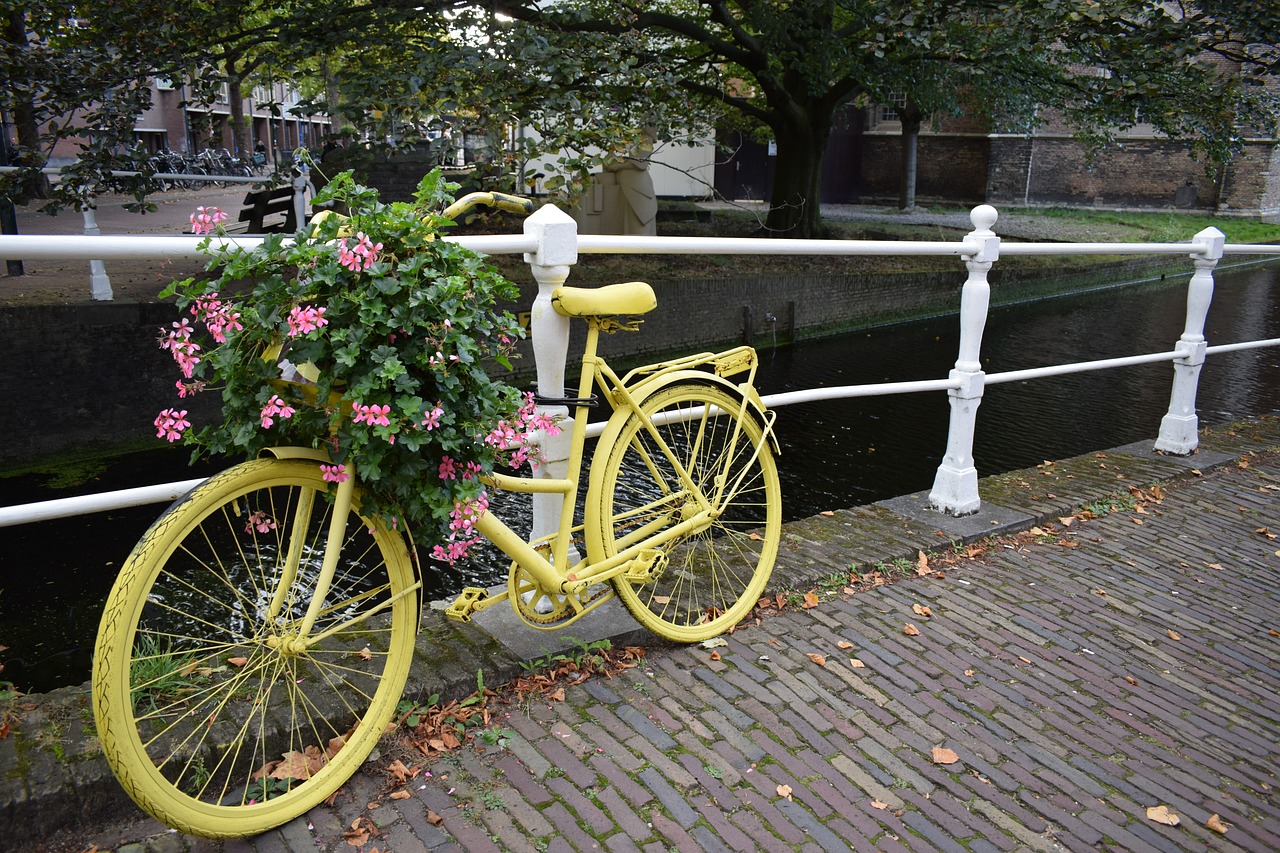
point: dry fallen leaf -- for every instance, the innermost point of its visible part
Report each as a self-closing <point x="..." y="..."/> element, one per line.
<point x="910" y="630"/>
<point x="1067" y="521"/>
<point x="942" y="755"/>
<point x="820" y="660"/>
<point x="1215" y="823"/>
<point x="784" y="791"/>
<point x="969" y="673"/>
<point x="714" y="656"/>
<point x="433" y="818"/>
<point x="402" y="794"/>
<point x="557" y="696"/>
<point x="811" y="600"/>
<point x="237" y="661"/>
<point x="921" y="610"/>
<point x="1173" y="635"/>
<point x="876" y="804"/>
<point x="922" y="563"/>
<point x="1131" y="680"/>
<point x="1161" y="814"/>
<point x="844" y="644"/>
<point x="365" y="654"/>
<point x="827" y="513"/>
<point x="857" y="664"/>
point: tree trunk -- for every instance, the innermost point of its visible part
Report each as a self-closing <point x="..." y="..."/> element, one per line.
<point x="239" y="124"/>
<point x="26" y="124"/>
<point x="911" y="117"/>
<point x="795" y="204"/>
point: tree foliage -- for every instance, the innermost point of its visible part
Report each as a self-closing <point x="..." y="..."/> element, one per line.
<point x="790" y="65"/>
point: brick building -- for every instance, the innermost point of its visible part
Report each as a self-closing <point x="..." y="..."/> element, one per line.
<point x="188" y="129"/>
<point x="960" y="161"/>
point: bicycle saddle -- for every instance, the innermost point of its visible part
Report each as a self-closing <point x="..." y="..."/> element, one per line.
<point x="632" y="297"/>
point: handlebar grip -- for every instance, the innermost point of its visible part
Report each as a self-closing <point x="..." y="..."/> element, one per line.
<point x="512" y="203"/>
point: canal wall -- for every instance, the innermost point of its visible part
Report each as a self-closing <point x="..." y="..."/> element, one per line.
<point x="89" y="378"/>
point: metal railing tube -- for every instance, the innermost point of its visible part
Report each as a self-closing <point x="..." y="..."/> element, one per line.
<point x="101" y="502"/>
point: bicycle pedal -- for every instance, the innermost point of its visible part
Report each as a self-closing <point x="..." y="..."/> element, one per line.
<point x="467" y="603"/>
<point x="647" y="567"/>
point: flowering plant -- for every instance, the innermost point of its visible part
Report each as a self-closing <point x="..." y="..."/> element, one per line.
<point x="369" y="338"/>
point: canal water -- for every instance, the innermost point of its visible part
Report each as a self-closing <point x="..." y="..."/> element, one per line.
<point x="54" y="576"/>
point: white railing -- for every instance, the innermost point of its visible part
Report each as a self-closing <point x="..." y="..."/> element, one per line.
<point x="551" y="245"/>
<point x="99" y="280"/>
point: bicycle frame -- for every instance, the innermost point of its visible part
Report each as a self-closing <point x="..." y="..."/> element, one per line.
<point x="639" y="556"/>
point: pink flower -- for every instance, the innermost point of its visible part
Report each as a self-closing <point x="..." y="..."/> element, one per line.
<point x="305" y="319"/>
<point x="359" y="256"/>
<point x="206" y="219"/>
<point x="334" y="473"/>
<point x="431" y="418"/>
<point x="170" y="423"/>
<point x="448" y="469"/>
<point x="275" y="406"/>
<point x="260" y="522"/>
<point x="374" y="415"/>
<point x="218" y="316"/>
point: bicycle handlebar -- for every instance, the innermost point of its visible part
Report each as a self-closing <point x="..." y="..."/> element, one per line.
<point x="501" y="201"/>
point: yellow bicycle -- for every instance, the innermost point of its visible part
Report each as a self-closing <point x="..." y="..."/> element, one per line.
<point x="258" y="638"/>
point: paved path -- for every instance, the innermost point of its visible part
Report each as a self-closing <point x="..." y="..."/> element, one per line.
<point x="1081" y="672"/>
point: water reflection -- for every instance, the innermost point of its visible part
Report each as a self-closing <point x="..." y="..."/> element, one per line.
<point x="835" y="453"/>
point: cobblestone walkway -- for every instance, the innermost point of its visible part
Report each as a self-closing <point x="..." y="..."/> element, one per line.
<point x="1044" y="695"/>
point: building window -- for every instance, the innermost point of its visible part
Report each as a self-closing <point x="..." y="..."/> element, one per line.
<point x="889" y="110"/>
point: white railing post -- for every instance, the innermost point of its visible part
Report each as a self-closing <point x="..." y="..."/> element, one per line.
<point x="99" y="281"/>
<point x="955" y="486"/>
<point x="557" y="236"/>
<point x="300" y="184"/>
<point x="1179" y="427"/>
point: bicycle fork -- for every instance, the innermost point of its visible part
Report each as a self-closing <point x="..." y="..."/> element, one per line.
<point x="302" y="639"/>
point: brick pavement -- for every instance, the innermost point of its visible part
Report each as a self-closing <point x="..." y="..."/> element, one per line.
<point x="1081" y="674"/>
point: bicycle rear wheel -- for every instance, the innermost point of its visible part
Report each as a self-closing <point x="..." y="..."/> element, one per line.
<point x="214" y="717"/>
<point x="710" y="578"/>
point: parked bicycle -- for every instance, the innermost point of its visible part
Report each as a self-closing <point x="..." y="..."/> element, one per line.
<point x="258" y="638"/>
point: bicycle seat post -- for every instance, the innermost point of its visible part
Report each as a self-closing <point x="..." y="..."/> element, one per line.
<point x="557" y="236"/>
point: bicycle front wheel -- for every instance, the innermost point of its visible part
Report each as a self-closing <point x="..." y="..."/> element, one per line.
<point x="217" y="717"/>
<point x="708" y="579"/>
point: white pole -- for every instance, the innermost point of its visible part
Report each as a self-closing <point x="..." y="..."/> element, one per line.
<point x="556" y="234"/>
<point x="955" y="486"/>
<point x="99" y="281"/>
<point x="1178" y="428"/>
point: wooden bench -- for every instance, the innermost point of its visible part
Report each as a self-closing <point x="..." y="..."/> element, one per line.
<point x="263" y="204"/>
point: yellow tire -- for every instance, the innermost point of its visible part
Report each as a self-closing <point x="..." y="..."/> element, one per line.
<point x="711" y="578"/>
<point x="212" y="720"/>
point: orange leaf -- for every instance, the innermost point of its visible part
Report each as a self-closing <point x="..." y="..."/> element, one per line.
<point x="365" y="654"/>
<point x="558" y="695"/>
<point x="1131" y="680"/>
<point x="715" y="656"/>
<point x="876" y="804"/>
<point x="755" y="537"/>
<point x="857" y="664"/>
<point x="1173" y="635"/>
<point x="942" y="755"/>
<point x="844" y="644"/>
<point x="922" y="563"/>
<point x="827" y="513"/>
<point x="818" y="659"/>
<point x="1161" y="814"/>
<point x="811" y="600"/>
<point x="784" y="791"/>
<point x="402" y="794"/>
<point x="921" y="610"/>
<point x="1215" y="823"/>
<point x="910" y="630"/>
<point x="237" y="661"/>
